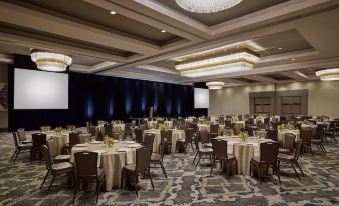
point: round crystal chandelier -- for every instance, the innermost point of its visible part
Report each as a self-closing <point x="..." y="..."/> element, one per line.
<point x="215" y="85"/>
<point x="328" y="74"/>
<point x="207" y="6"/>
<point x="50" y="61"/>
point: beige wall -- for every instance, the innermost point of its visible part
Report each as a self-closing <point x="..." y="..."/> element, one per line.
<point x="3" y="79"/>
<point x="323" y="97"/>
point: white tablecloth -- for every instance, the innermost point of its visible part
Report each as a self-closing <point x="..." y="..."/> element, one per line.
<point x="112" y="160"/>
<point x="176" y="135"/>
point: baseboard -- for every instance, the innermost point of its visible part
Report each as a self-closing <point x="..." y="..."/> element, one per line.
<point x="3" y="129"/>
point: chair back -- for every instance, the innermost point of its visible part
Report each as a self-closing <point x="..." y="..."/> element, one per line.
<point x="166" y="134"/>
<point x="194" y="127"/>
<point x="266" y="120"/>
<point x="22" y="134"/>
<point x="249" y="130"/>
<point x="197" y="146"/>
<point x="38" y="140"/>
<point x="262" y="126"/>
<point x="306" y="135"/>
<point x="143" y="160"/>
<point x="214" y="128"/>
<point x="219" y="148"/>
<point x="128" y="128"/>
<point x="51" y="147"/>
<point x="92" y="130"/>
<point x="289" y="141"/>
<point x="269" y="152"/>
<point x="320" y="131"/>
<point x="228" y="123"/>
<point x="162" y="149"/>
<point x="73" y="139"/>
<point x="175" y="123"/>
<point x="47" y="157"/>
<point x="204" y="137"/>
<point x="189" y="135"/>
<point x="221" y="120"/>
<point x="272" y="134"/>
<point x="108" y="129"/>
<point x="138" y="135"/>
<point x="15" y="139"/>
<point x="86" y="165"/>
<point x="148" y="140"/>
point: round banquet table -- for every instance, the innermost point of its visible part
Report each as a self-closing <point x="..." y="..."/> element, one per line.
<point x="238" y="125"/>
<point x="243" y="151"/>
<point x="313" y="127"/>
<point x="281" y="134"/>
<point x="176" y="135"/>
<point x="111" y="159"/>
<point x="116" y="128"/>
<point x="152" y="124"/>
<point x="206" y="127"/>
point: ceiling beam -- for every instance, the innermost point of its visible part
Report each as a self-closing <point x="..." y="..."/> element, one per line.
<point x="158" y="69"/>
<point x="289" y="55"/>
<point x="6" y="58"/>
<point x="28" y="18"/>
<point x="295" y="75"/>
<point x="262" y="79"/>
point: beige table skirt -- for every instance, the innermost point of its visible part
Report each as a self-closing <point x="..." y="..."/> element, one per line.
<point x="112" y="161"/>
<point x="244" y="153"/>
<point x="176" y="135"/>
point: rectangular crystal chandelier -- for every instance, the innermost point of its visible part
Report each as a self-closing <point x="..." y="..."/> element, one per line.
<point x="218" y="62"/>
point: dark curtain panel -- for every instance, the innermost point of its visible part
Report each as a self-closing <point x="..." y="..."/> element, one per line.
<point x="95" y="97"/>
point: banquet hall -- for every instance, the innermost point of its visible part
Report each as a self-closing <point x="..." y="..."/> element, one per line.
<point x="169" y="102"/>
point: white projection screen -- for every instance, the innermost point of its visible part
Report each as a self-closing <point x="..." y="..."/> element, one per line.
<point x="40" y="90"/>
<point x="201" y="98"/>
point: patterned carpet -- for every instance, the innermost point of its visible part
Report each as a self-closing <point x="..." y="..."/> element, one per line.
<point x="186" y="184"/>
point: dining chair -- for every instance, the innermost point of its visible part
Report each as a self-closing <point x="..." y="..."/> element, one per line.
<point x="63" y="169"/>
<point x="189" y="134"/>
<point x="20" y="147"/>
<point x="108" y="129"/>
<point x="288" y="145"/>
<point x="22" y="136"/>
<point x="205" y="139"/>
<point x="157" y="159"/>
<point x="168" y="135"/>
<point x="272" y="134"/>
<point x="51" y="144"/>
<point x="305" y="136"/>
<point x="128" y="131"/>
<point x="220" y="153"/>
<point x="138" y="135"/>
<point x="73" y="140"/>
<point x="38" y="140"/>
<point x="148" y="140"/>
<point x="318" y="139"/>
<point x="292" y="158"/>
<point x="205" y="153"/>
<point x="214" y="130"/>
<point x="142" y="166"/>
<point x="268" y="157"/>
<point x="87" y="171"/>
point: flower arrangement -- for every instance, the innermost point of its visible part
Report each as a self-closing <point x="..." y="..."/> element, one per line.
<point x="163" y="127"/>
<point x="243" y="136"/>
<point x="58" y="130"/>
<point x="281" y="127"/>
<point x="109" y="141"/>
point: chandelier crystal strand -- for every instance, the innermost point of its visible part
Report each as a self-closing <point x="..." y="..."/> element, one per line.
<point x="328" y="74"/>
<point x="50" y="61"/>
<point x="215" y="85"/>
<point x="207" y="6"/>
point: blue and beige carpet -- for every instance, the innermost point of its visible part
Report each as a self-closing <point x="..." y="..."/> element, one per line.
<point x="186" y="184"/>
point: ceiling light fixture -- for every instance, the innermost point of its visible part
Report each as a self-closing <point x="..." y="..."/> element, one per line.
<point x="328" y="74"/>
<point x="210" y="6"/>
<point x="280" y="48"/>
<point x="217" y="62"/>
<point x="113" y="12"/>
<point x="163" y="31"/>
<point x="215" y="85"/>
<point x="50" y="61"/>
<point x="293" y="59"/>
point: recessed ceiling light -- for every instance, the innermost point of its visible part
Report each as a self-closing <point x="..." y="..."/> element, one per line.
<point x="280" y="48"/>
<point x="293" y="59"/>
<point x="163" y="31"/>
<point x="113" y="12"/>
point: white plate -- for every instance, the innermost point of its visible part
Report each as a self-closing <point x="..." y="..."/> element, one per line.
<point x="100" y="151"/>
<point x="123" y="150"/>
<point x="81" y="145"/>
<point x="96" y="142"/>
<point x="129" y="142"/>
<point x="134" y="145"/>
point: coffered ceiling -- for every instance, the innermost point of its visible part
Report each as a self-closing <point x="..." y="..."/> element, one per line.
<point x="293" y="37"/>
